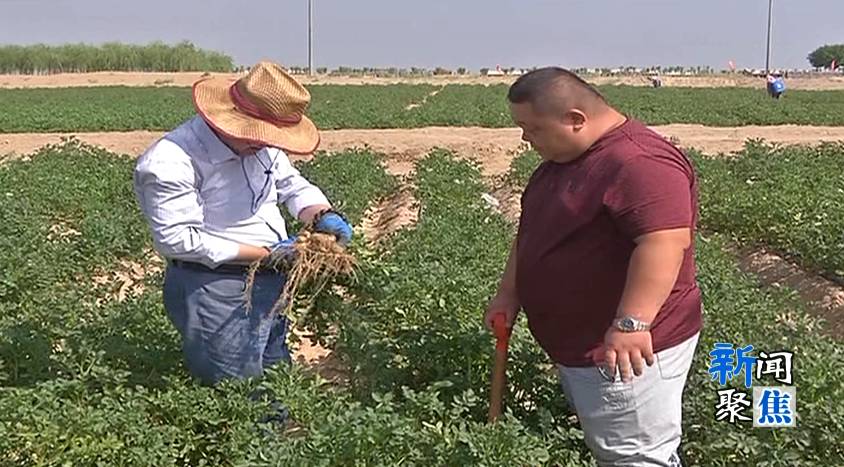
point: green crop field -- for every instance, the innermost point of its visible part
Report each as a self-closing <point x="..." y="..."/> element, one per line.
<point x="789" y="199"/>
<point x="91" y="372"/>
<point x="87" y="379"/>
<point x="374" y="106"/>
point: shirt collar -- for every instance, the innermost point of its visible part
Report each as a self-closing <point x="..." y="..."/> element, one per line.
<point x="216" y="151"/>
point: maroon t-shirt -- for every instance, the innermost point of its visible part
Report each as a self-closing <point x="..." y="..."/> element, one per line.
<point x="575" y="240"/>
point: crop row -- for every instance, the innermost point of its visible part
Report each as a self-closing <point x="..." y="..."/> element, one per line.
<point x="789" y="199"/>
<point x="86" y="379"/>
<point x="406" y="106"/>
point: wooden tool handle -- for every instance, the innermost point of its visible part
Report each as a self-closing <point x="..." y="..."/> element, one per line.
<point x="498" y="377"/>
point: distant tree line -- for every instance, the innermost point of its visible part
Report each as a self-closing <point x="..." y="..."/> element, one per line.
<point x="384" y="72"/>
<point x="824" y="56"/>
<point x="112" y="56"/>
<point x="184" y="56"/>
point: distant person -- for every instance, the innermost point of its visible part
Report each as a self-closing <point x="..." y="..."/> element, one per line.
<point x="656" y="81"/>
<point x="603" y="266"/>
<point x="210" y="191"/>
<point x="776" y="86"/>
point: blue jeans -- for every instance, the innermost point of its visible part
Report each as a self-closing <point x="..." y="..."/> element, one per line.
<point x="220" y="338"/>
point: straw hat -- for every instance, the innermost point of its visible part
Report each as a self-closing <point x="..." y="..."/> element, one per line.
<point x="267" y="106"/>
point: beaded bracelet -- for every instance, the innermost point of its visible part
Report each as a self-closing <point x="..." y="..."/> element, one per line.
<point x="323" y="212"/>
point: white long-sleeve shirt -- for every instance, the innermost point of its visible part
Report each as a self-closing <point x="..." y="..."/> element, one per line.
<point x="202" y="200"/>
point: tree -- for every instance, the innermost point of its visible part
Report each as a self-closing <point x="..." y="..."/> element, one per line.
<point x="823" y="56"/>
<point x="110" y="56"/>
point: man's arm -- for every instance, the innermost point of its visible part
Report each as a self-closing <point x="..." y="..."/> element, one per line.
<point x="651" y="202"/>
<point x="305" y="201"/>
<point x="165" y="187"/>
<point x="652" y="272"/>
<point x="302" y="198"/>
<point x="250" y="253"/>
<point x="308" y="214"/>
<point x="507" y="286"/>
<point x="506" y="299"/>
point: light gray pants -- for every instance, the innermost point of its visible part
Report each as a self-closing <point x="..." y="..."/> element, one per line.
<point x="636" y="423"/>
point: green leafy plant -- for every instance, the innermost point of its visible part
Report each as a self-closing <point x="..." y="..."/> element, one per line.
<point x="93" y="380"/>
<point x="121" y="108"/>
<point x="789" y="199"/>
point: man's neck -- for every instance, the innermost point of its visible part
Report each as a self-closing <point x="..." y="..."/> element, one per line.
<point x="602" y="124"/>
<point x="608" y="122"/>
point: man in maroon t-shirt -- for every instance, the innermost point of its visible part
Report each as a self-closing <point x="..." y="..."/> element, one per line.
<point x="603" y="266"/>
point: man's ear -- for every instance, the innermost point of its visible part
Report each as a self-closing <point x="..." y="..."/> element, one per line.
<point x="576" y="118"/>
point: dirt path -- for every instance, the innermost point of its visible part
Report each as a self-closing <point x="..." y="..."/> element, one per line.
<point x="391" y="214"/>
<point x="816" y="82"/>
<point x="714" y="140"/>
<point x="493" y="148"/>
<point x="822" y="297"/>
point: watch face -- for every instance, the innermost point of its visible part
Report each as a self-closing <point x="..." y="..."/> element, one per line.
<point x="627" y="323"/>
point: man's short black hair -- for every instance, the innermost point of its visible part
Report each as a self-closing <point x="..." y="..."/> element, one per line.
<point x="554" y="89"/>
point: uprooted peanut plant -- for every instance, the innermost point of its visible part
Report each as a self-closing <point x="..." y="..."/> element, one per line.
<point x="314" y="259"/>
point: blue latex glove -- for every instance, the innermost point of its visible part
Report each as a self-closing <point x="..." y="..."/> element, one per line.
<point x="333" y="223"/>
<point x="283" y="244"/>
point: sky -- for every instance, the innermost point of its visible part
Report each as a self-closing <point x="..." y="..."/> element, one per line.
<point x="430" y="33"/>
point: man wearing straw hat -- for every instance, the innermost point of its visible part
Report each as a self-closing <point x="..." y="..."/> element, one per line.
<point x="210" y="191"/>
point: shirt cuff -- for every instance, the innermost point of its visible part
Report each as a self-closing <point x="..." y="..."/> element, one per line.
<point x="219" y="251"/>
<point x="304" y="199"/>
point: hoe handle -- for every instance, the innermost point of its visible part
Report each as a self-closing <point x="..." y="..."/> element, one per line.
<point x="502" y="339"/>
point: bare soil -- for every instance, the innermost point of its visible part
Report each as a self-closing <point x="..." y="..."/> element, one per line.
<point x="319" y="360"/>
<point x="824" y="298"/>
<point x="493" y="148"/>
<point x="508" y="200"/>
<point x="430" y="95"/>
<point x="816" y="82"/>
<point x="389" y="215"/>
<point x="123" y="280"/>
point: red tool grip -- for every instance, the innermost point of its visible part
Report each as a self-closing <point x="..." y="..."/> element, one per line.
<point x="502" y="332"/>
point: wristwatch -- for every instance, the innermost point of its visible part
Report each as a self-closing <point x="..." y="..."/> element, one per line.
<point x="631" y="324"/>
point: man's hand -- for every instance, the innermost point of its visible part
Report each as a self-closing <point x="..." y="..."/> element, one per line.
<point x="284" y="243"/>
<point x="630" y="351"/>
<point x="502" y="303"/>
<point x="653" y="270"/>
<point x="333" y="223"/>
